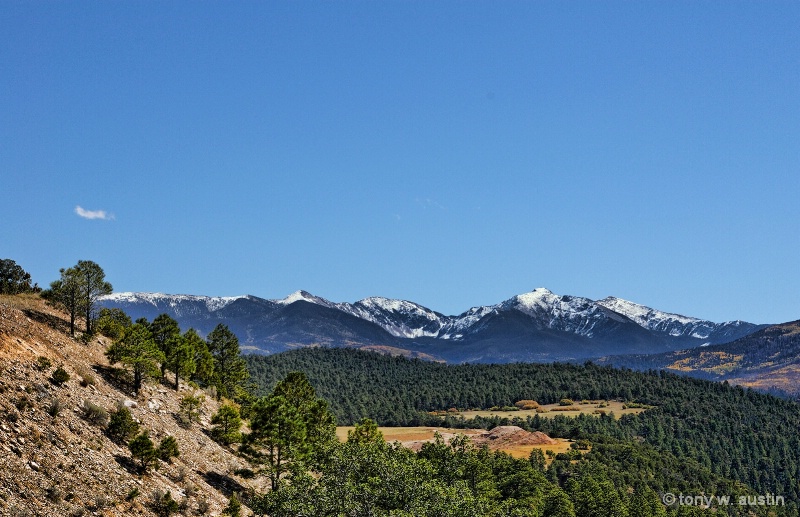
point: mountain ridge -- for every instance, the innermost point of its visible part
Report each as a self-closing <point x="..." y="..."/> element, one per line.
<point x="535" y="326"/>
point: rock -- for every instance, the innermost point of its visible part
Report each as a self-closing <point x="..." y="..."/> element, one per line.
<point x="130" y="403"/>
<point x="35" y="466"/>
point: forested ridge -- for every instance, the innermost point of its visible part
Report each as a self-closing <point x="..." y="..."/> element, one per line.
<point x="700" y="433"/>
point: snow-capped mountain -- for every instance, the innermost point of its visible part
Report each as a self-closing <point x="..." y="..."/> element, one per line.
<point x="180" y="304"/>
<point x="677" y="326"/>
<point x="538" y="325"/>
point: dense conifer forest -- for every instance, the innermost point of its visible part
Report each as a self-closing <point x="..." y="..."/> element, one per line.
<point x="700" y="436"/>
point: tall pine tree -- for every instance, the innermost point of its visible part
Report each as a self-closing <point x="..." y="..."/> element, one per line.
<point x="230" y="370"/>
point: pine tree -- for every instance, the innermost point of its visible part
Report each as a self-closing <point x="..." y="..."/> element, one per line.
<point x="227" y="423"/>
<point x="65" y="294"/>
<point x="201" y="358"/>
<point x="142" y="450"/>
<point x="366" y="431"/>
<point x="288" y="427"/>
<point x="230" y="370"/>
<point x="137" y="350"/>
<point x="165" y="331"/>
<point x="168" y="449"/>
<point x="121" y="426"/>
<point x="94" y="285"/>
<point x="14" y="279"/>
<point x="558" y="504"/>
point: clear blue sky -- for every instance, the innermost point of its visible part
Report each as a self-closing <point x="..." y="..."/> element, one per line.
<point x="449" y="153"/>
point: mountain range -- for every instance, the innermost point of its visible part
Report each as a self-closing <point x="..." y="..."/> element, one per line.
<point x="534" y="326"/>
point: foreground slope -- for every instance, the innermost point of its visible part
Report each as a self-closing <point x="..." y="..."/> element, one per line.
<point x="63" y="464"/>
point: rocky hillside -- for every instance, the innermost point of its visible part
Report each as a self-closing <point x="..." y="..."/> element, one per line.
<point x="55" y="458"/>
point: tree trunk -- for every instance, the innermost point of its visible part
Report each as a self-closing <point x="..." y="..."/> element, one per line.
<point x="137" y="380"/>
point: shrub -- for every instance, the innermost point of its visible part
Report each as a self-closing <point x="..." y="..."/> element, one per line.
<point x="60" y="376"/>
<point x="211" y="391"/>
<point x="54" y="494"/>
<point x="86" y="375"/>
<point x="566" y="402"/>
<point x="133" y="493"/>
<point x="95" y="414"/>
<point x="43" y="363"/>
<point x="526" y="404"/>
<point x="101" y="501"/>
<point x="189" y="409"/>
<point x="162" y="503"/>
<point x="121" y="426"/>
<point x="143" y="451"/>
<point x="54" y="408"/>
<point x="168" y="448"/>
<point x="23" y="403"/>
<point x="234" y="508"/>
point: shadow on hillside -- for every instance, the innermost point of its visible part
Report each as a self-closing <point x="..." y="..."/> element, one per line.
<point x="49" y="320"/>
<point x="224" y="484"/>
<point x="127" y="463"/>
<point x="117" y="377"/>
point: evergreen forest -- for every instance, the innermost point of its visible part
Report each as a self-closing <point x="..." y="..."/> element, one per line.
<point x="699" y="437"/>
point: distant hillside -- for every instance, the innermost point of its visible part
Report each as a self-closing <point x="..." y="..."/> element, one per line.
<point x="538" y="326"/>
<point x="768" y="360"/>
<point x="54" y="461"/>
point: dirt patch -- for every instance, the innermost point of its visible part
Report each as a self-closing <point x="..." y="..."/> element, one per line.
<point x="511" y="436"/>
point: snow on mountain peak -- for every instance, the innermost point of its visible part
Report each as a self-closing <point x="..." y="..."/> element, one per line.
<point x="212" y="303"/>
<point x="652" y="319"/>
<point x="539" y="297"/>
<point x="641" y="314"/>
<point x="304" y="296"/>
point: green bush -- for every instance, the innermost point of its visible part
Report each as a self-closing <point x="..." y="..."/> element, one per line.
<point x="121" y="426"/>
<point x="60" y="376"/>
<point x="43" y="363"/>
<point x="163" y="504"/>
<point x="189" y="409"/>
<point x="143" y="451"/>
<point x="168" y="448"/>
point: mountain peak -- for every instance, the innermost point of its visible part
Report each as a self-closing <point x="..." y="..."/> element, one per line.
<point x="300" y="295"/>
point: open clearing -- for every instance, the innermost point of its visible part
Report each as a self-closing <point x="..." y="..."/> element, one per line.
<point x="413" y="437"/>
<point x="551" y="410"/>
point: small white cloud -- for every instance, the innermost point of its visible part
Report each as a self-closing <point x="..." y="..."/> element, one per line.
<point x="93" y="214"/>
<point x="430" y="203"/>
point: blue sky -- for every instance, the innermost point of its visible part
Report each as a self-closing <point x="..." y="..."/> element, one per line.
<point x="450" y="153"/>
